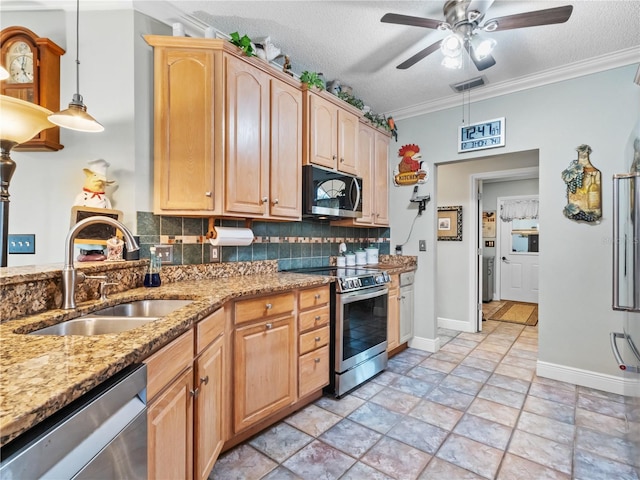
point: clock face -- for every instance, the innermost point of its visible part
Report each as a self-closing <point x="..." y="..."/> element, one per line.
<point x="19" y="60"/>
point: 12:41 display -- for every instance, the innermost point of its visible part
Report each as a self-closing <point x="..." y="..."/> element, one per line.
<point x="487" y="134"/>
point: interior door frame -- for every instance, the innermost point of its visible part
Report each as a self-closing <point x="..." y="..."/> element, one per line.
<point x="476" y="246"/>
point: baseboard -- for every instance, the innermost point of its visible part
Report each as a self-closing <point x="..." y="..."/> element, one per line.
<point x="585" y="378"/>
<point x="459" y="325"/>
<point x="427" y="344"/>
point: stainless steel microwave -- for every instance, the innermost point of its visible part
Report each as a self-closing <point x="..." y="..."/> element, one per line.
<point x="330" y="194"/>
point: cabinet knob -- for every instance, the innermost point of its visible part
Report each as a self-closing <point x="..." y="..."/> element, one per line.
<point x="207" y="194"/>
<point x="265" y="199"/>
<point x="400" y="298"/>
<point x="276" y="201"/>
<point x="334" y="157"/>
<point x="317" y="318"/>
<point x="204" y="380"/>
<point x="269" y="326"/>
<point x="317" y="360"/>
<point x="195" y="392"/>
<point x="268" y="306"/>
<point x="317" y="296"/>
<point x="317" y="339"/>
<point x="341" y="160"/>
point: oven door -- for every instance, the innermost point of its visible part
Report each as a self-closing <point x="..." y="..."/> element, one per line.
<point x="361" y="326"/>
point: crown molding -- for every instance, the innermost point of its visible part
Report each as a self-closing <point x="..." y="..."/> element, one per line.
<point x="602" y="63"/>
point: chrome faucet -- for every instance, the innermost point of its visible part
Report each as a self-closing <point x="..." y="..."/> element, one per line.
<point x="70" y="277"/>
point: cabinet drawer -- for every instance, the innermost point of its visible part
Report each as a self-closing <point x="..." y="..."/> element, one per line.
<point x="313" y="371"/>
<point x="209" y="329"/>
<point x="164" y="365"/>
<point x="314" y="339"/>
<point x="263" y="307"/>
<point x="314" y="297"/>
<point x="313" y="319"/>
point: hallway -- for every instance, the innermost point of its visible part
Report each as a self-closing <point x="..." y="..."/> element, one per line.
<point x="473" y="410"/>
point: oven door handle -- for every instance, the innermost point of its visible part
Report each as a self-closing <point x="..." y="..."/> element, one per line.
<point x="351" y="297"/>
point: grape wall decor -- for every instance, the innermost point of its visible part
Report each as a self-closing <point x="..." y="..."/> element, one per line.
<point x="584" y="192"/>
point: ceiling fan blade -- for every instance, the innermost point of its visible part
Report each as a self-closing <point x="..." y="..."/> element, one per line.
<point x="409" y="20"/>
<point x="533" y="19"/>
<point x="419" y="56"/>
<point x="483" y="64"/>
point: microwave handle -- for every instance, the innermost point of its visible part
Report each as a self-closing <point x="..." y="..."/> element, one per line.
<point x="355" y="182"/>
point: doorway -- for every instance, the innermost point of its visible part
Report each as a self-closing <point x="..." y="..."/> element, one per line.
<point x="495" y="239"/>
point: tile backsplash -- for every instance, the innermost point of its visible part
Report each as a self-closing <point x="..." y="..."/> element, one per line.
<point x="308" y="243"/>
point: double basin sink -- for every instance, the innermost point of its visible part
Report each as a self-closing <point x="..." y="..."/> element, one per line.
<point x="115" y="319"/>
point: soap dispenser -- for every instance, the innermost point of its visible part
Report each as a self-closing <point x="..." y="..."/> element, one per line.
<point x="152" y="277"/>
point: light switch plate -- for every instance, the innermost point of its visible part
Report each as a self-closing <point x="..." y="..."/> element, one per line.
<point x="22" y="244"/>
<point x="165" y="252"/>
<point x="422" y="245"/>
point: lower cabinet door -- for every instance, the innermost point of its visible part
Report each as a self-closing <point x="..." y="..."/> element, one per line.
<point x="264" y="370"/>
<point x="170" y="430"/>
<point x="209" y="408"/>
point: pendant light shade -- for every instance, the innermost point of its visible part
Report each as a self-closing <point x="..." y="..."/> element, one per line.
<point x="76" y="117"/>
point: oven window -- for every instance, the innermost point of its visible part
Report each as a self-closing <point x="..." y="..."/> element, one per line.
<point x="365" y="325"/>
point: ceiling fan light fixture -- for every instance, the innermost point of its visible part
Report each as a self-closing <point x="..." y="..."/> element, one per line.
<point x="473" y="15"/>
<point x="444" y="26"/>
<point x="482" y="47"/>
<point x="451" y="46"/>
<point x="453" y="63"/>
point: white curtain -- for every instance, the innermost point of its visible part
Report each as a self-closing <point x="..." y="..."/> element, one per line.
<point x="519" y="209"/>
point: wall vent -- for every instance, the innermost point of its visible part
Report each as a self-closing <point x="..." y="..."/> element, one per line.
<point x="468" y="84"/>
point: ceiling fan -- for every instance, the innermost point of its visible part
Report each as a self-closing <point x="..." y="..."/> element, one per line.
<point x="463" y="21"/>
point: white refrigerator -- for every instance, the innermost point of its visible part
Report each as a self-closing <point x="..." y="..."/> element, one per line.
<point x="626" y="296"/>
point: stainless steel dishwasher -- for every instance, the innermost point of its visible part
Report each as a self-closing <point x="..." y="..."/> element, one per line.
<point x="102" y="435"/>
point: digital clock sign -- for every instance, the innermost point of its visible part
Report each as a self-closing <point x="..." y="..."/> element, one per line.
<point x="488" y="134"/>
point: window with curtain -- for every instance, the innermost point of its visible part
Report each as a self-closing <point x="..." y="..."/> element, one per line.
<point x="519" y="209"/>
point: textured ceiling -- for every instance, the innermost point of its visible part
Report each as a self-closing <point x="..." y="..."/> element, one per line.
<point x="345" y="40"/>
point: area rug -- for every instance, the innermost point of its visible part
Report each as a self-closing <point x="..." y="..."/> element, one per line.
<point x="517" y="312"/>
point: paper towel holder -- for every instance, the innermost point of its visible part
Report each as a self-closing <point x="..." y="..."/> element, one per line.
<point x="211" y="230"/>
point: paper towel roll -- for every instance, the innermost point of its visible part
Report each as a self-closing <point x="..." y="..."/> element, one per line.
<point x="231" y="236"/>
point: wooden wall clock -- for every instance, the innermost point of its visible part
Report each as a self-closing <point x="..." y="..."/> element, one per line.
<point x="33" y="64"/>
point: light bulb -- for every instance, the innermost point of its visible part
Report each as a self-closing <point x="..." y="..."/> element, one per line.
<point x="452" y="62"/>
<point x="482" y="48"/>
<point x="451" y="46"/>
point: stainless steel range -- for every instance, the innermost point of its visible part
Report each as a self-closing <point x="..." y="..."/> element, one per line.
<point x="358" y="325"/>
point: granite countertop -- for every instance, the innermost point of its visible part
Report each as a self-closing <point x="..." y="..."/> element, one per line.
<point x="41" y="374"/>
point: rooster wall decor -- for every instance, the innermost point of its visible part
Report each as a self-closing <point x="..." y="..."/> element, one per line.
<point x="411" y="169"/>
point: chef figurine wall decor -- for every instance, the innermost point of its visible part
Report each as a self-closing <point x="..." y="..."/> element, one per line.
<point x="93" y="192"/>
<point x="584" y="192"/>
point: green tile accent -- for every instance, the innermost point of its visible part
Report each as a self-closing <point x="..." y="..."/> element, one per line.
<point x="147" y="224"/>
<point x="193" y="226"/>
<point x="171" y="225"/>
<point x="191" y="254"/>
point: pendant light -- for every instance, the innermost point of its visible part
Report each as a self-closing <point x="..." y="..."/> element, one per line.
<point x="76" y="117"/>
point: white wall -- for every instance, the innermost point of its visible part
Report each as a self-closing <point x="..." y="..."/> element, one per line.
<point x="601" y="110"/>
<point x="116" y="81"/>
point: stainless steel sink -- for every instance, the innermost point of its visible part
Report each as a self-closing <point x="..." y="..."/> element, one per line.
<point x="143" y="308"/>
<point x="115" y="319"/>
<point x="94" y="325"/>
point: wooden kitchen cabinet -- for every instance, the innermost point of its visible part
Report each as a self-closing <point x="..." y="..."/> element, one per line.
<point x="331" y="128"/>
<point x="229" y="143"/>
<point x="185" y="384"/>
<point x="393" y="319"/>
<point x="314" y="337"/>
<point x="373" y="167"/>
<point x="264" y="359"/>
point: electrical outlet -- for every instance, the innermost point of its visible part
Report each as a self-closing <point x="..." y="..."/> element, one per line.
<point x="398" y="249"/>
<point x="422" y="245"/>
<point x="165" y="252"/>
<point x="22" y="244"/>
<point x="214" y="254"/>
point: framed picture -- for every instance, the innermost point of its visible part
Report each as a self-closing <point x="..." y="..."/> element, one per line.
<point x="450" y="223"/>
<point x="489" y="224"/>
<point x="96" y="234"/>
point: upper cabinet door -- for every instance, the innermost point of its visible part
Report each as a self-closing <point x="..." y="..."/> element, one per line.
<point x="286" y="151"/>
<point x="323" y="132"/>
<point x="247" y="138"/>
<point x="347" y="142"/>
<point x="184" y="129"/>
<point x="381" y="193"/>
<point x="366" y="148"/>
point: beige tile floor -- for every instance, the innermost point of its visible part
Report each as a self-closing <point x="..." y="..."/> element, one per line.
<point x="473" y="410"/>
